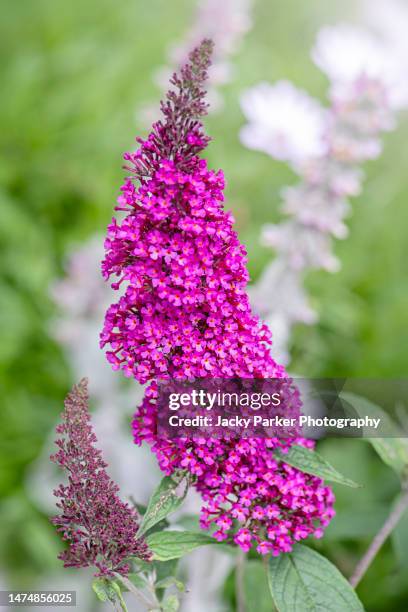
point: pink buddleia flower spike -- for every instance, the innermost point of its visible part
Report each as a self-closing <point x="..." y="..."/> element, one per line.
<point x="101" y="530"/>
<point x="185" y="313"/>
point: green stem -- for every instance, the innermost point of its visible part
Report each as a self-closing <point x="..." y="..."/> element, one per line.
<point x="116" y="606"/>
<point x="138" y="594"/>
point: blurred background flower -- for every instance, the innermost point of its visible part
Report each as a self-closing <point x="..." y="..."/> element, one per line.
<point x="226" y="23"/>
<point x="326" y="149"/>
<point x="284" y="122"/>
<point x="72" y="76"/>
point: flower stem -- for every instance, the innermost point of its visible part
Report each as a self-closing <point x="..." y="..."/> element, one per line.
<point x="379" y="539"/>
<point x="138" y="594"/>
<point x="117" y="606"/>
<point x="239" y="581"/>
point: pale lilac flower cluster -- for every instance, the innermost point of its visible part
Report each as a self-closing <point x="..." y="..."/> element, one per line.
<point x="185" y="313"/>
<point x="270" y="109"/>
<point x="101" y="530"/>
<point x="389" y="20"/>
<point x="335" y="142"/>
<point x="346" y="53"/>
<point x="225" y="23"/>
<point x="82" y="298"/>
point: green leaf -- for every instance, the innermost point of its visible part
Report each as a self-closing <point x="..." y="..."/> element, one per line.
<point x="311" y="462"/>
<point x="116" y="588"/>
<point x="171" y="604"/>
<point x="168" y="582"/>
<point x="137" y="580"/>
<point x="164" y="569"/>
<point x="108" y="590"/>
<point x="392" y="447"/>
<point x="304" y="581"/>
<point x="257" y="596"/>
<point x="167" y="545"/>
<point x="163" y="501"/>
<point x="99" y="587"/>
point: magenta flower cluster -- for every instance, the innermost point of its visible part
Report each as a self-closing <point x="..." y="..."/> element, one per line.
<point x="185" y="313"/>
<point x="249" y="496"/>
<point x="101" y="530"/>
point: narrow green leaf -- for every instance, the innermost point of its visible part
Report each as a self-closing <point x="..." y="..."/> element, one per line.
<point x="163" y="502"/>
<point x="108" y="590"/>
<point x="257" y="596"/>
<point x="171" y="604"/>
<point x="167" y="545"/>
<point x="116" y="588"/>
<point x="392" y="447"/>
<point x="304" y="581"/>
<point x="99" y="588"/>
<point x="309" y="461"/>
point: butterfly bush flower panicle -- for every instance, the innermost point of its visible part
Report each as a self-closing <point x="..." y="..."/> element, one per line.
<point x="184" y="313"/>
<point x="345" y="53"/>
<point x="367" y="85"/>
<point x="100" y="529"/>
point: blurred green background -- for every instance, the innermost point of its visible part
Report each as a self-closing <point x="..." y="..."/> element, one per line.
<point x="73" y="76"/>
